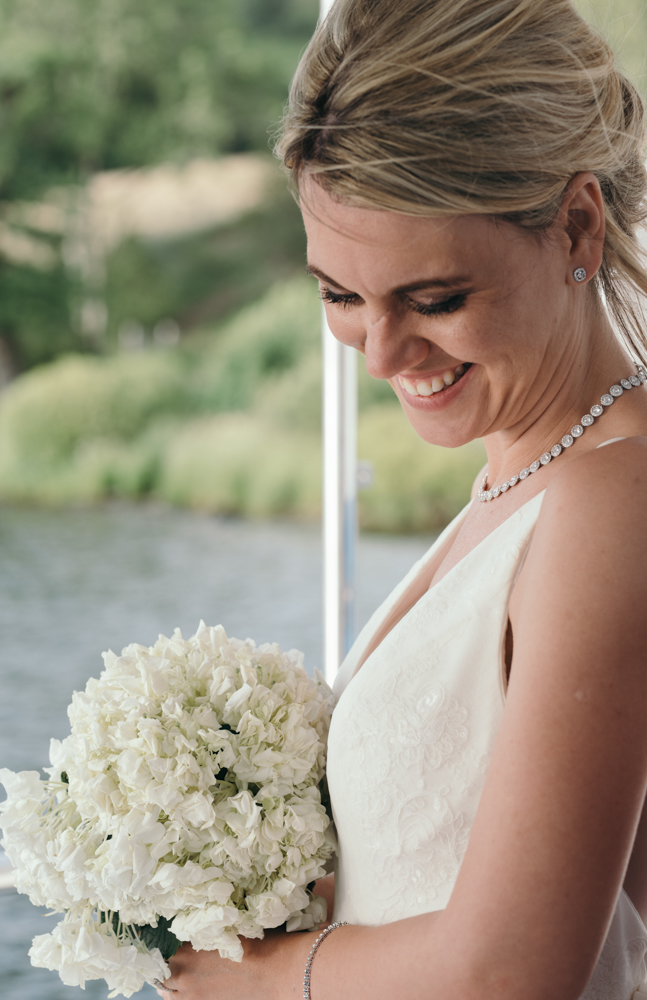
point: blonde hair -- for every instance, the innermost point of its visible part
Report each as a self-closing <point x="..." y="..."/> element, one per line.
<point x="454" y="107"/>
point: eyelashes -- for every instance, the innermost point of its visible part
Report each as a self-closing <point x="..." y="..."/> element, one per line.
<point x="336" y="299"/>
<point x="443" y="308"/>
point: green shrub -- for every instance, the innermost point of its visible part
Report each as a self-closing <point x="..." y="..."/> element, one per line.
<point x="293" y="399"/>
<point x="263" y="341"/>
<point x="418" y="486"/>
<point x="109" y="467"/>
<point x="207" y="276"/>
<point x="54" y="418"/>
<point x="242" y="463"/>
<point x="239" y="464"/>
<point x="46" y="413"/>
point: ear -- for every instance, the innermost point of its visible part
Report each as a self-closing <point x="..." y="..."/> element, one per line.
<point x="581" y="218"/>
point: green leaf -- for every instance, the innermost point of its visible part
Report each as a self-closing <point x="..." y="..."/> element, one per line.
<point x="159" y="937"/>
<point x="153" y="937"/>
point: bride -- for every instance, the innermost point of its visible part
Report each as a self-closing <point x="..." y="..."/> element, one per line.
<point x="470" y="174"/>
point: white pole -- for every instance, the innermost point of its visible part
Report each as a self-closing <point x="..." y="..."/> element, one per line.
<point x="339" y="498"/>
<point x="339" y="491"/>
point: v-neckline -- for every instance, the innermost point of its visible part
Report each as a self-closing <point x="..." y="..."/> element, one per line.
<point x="456" y="524"/>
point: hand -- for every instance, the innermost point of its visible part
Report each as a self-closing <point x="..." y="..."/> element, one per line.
<point x="270" y="969"/>
<point x="281" y="957"/>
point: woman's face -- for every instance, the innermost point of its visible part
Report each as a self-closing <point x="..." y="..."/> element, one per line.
<point x="467" y="318"/>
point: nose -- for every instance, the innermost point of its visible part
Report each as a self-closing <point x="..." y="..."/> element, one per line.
<point x="389" y="348"/>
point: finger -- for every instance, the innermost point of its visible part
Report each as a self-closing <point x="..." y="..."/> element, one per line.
<point x="163" y="989"/>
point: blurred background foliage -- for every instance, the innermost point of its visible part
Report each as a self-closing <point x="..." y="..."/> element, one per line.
<point x="109" y="85"/>
<point x="126" y="83"/>
<point x="227" y="424"/>
<point x="156" y="337"/>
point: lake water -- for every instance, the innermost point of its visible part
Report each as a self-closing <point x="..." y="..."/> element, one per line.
<point x="76" y="582"/>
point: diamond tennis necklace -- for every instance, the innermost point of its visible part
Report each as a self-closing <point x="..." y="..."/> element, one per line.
<point x="587" y="420"/>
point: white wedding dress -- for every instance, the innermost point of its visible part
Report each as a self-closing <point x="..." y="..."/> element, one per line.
<point x="411" y="738"/>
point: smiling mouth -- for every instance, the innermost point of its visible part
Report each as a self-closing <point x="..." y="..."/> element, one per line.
<point x="431" y="386"/>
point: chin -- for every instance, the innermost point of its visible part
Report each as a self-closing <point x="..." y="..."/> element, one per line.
<point x="443" y="437"/>
<point x="438" y="429"/>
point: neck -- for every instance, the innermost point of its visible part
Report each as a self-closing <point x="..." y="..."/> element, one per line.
<point x="563" y="392"/>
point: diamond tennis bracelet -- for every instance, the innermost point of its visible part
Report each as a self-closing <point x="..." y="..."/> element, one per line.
<point x="313" y="951"/>
<point x="587" y="420"/>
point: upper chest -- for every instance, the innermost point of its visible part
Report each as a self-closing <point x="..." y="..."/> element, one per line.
<point x="480" y="521"/>
<point x="468" y="600"/>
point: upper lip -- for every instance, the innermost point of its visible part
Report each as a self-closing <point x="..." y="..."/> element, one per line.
<point x="437" y="373"/>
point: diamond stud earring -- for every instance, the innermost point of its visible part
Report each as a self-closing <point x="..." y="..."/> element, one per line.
<point x="579" y="274"/>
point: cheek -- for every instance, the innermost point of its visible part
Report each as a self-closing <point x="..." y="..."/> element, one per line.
<point x="465" y="336"/>
<point x="485" y="336"/>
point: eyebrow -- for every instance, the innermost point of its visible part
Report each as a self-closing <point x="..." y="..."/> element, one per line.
<point x="415" y="286"/>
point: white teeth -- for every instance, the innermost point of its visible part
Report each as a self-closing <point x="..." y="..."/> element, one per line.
<point x="435" y="384"/>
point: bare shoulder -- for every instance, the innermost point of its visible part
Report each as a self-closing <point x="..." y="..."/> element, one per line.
<point x="588" y="557"/>
<point x="602" y="491"/>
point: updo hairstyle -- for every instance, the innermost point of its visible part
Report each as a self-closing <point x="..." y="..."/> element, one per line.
<point x="455" y="107"/>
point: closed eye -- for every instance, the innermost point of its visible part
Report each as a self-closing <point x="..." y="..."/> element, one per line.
<point x="338" y="298"/>
<point x="448" y="305"/>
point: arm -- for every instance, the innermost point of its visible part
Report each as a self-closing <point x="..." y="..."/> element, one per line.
<point x="564" y="790"/>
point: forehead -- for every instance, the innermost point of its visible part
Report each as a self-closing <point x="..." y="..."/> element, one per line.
<point x="348" y="242"/>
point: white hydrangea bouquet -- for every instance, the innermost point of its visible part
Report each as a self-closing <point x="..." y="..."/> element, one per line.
<point x="185" y="805"/>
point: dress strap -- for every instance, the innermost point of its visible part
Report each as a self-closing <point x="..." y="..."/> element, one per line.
<point x="610" y="441"/>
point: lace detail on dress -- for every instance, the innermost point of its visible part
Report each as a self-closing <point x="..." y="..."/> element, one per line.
<point x="621" y="968"/>
<point x="407" y="739"/>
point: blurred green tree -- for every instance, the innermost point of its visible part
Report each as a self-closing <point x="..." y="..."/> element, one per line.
<point x="89" y="85"/>
<point x="203" y="277"/>
<point x="125" y="83"/>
